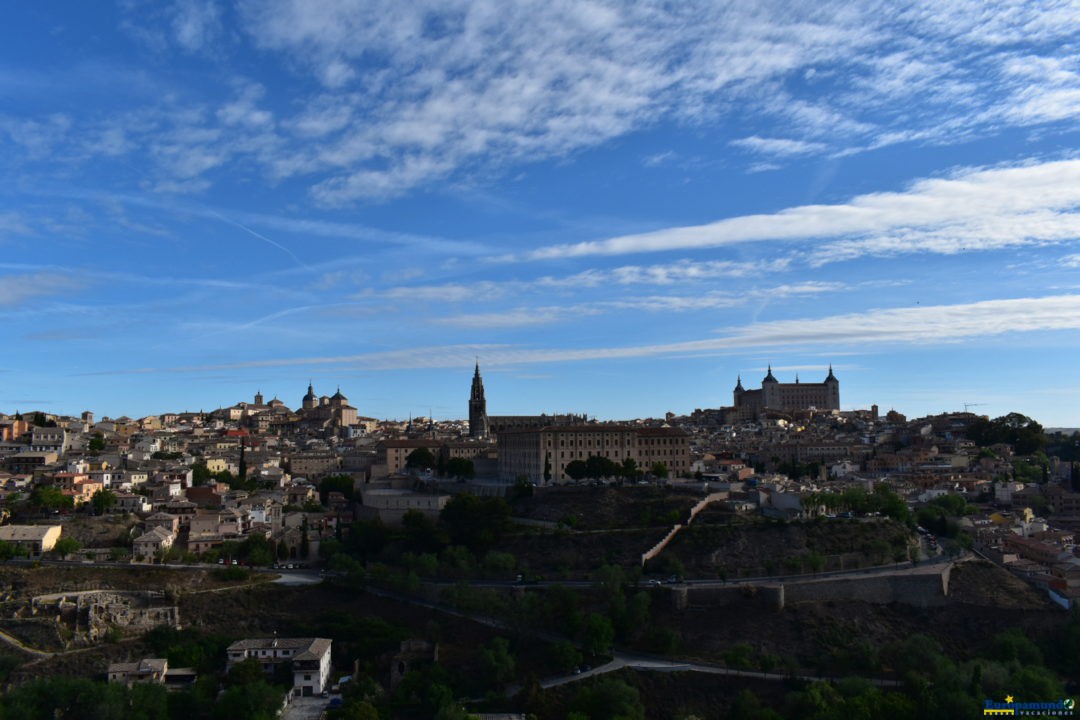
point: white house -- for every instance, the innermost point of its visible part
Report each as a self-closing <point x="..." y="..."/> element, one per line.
<point x="310" y="659"/>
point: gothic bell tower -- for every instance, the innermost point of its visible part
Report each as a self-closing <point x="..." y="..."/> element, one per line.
<point x="478" y="417"/>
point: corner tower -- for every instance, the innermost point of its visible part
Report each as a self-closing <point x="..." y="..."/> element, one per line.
<point x="478" y="417"/>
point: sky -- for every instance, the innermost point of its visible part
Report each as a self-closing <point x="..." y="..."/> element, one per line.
<point x="618" y="209"/>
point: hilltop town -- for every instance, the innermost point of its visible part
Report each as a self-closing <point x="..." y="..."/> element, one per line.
<point x="550" y="551"/>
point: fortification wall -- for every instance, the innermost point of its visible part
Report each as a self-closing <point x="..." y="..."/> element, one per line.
<point x="698" y="507"/>
<point x="920" y="590"/>
<point x="924" y="589"/>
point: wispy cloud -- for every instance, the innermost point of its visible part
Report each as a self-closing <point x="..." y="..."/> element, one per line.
<point x="778" y="146"/>
<point x="1015" y="205"/>
<point x="16" y="290"/>
<point x="923" y="325"/>
<point x="411" y="94"/>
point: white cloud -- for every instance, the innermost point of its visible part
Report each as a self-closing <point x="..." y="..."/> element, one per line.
<point x="921" y="325"/>
<point x="777" y="146"/>
<point x="16" y="290"/>
<point x="412" y="93"/>
<point x="196" y="24"/>
<point x="1012" y="205"/>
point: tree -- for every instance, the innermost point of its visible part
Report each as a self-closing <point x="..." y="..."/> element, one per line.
<point x="460" y="468"/>
<point x="420" y="459"/>
<point x="576" y="469"/>
<point x="629" y="469"/>
<point x="248" y="670"/>
<point x="564" y="656"/>
<point x="66" y="545"/>
<point x="659" y="470"/>
<point x="102" y="501"/>
<point x="477" y="523"/>
<point x="422" y="534"/>
<point x="50" y="498"/>
<point x="96" y="444"/>
<point x="598" y="634"/>
<point x="200" y="474"/>
<point x="336" y="483"/>
<point x="305" y="543"/>
<point x="609" y="699"/>
<point x="498" y="661"/>
<point x="547" y="468"/>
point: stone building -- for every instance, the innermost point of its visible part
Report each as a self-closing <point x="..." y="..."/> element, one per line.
<point x="541" y="454"/>
<point x="787" y="397"/>
<point x="478" y="418"/>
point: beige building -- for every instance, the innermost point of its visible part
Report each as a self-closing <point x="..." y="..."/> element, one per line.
<point x="37" y="539"/>
<point x="530" y="452"/>
<point x="391" y="505"/>
<point x="666" y="445"/>
<point x="313" y="465"/>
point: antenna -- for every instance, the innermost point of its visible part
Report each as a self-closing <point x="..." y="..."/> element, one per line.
<point x="971" y="405"/>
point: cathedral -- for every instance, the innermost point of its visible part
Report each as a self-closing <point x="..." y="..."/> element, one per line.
<point x="788" y="397"/>
<point x="478" y="417"/>
<point x="334" y="411"/>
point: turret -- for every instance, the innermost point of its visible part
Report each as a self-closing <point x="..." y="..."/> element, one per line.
<point x="769" y="377"/>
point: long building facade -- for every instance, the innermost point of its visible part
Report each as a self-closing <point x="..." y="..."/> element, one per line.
<point x="541" y="454"/>
<point x="787" y="397"/>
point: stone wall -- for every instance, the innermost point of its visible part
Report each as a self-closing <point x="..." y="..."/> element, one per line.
<point x="91" y="613"/>
<point x="921" y="589"/>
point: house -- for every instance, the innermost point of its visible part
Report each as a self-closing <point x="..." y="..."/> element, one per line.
<point x="169" y="522"/>
<point x="152" y="670"/>
<point x="151" y="543"/>
<point x="37" y="539"/>
<point x="131" y="503"/>
<point x="147" y="670"/>
<point x="310" y="658"/>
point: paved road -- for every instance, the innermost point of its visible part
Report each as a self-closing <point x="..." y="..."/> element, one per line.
<point x="304" y="708"/>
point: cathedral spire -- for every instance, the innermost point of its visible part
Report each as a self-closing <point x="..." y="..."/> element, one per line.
<point x="478" y="419"/>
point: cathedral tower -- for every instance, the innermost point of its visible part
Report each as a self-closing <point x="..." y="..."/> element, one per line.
<point x="478" y="417"/>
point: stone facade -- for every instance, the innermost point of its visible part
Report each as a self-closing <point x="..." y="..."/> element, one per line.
<point x="787" y="397"/>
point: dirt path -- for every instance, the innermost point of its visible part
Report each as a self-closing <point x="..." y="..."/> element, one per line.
<point x="15" y="642"/>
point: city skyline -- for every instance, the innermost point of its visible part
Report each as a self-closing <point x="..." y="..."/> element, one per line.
<point x="618" y="210"/>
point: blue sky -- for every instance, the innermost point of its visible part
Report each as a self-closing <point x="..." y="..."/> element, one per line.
<point x="618" y="208"/>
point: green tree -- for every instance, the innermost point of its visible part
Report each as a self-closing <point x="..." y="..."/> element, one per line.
<point x="248" y="670"/>
<point x="460" y="468"/>
<point x="257" y="700"/>
<point x="422" y="534"/>
<point x="498" y="662"/>
<point x="336" y="483"/>
<point x="598" y="634"/>
<point x="103" y="501"/>
<point x="51" y="498"/>
<point x="477" y="523"/>
<point x="659" y="470"/>
<point x="200" y="474"/>
<point x="609" y="699"/>
<point x="420" y="459"/>
<point x="66" y="545"/>
<point x="576" y="469"/>
<point x="96" y="444"/>
<point x="564" y="656"/>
